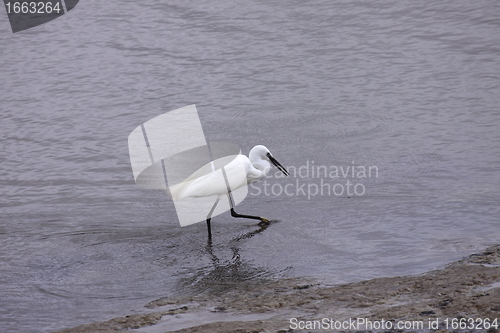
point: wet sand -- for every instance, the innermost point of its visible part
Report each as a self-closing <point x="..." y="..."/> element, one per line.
<point x="467" y="289"/>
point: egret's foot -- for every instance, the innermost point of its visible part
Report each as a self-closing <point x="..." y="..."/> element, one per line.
<point x="264" y="221"/>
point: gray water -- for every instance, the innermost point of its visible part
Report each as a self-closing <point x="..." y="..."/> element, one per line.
<point x="411" y="87"/>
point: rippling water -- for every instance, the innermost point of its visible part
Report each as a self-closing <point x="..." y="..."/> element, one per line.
<point x="409" y="87"/>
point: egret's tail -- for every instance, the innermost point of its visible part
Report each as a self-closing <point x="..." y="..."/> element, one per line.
<point x="174" y="191"/>
<point x="178" y="191"/>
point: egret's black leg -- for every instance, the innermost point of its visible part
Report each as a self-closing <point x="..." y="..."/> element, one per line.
<point x="209" y="218"/>
<point x="231" y="203"/>
<point x="234" y="214"/>
<point x="209" y="229"/>
<point x="262" y="219"/>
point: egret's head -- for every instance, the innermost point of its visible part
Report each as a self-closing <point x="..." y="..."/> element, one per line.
<point x="261" y="152"/>
<point x="258" y="152"/>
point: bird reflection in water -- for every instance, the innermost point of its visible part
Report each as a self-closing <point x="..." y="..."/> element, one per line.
<point x="225" y="275"/>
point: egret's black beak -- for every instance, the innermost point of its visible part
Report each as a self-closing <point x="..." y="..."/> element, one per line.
<point x="277" y="164"/>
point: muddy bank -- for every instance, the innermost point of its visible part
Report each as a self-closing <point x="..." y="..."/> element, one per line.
<point x="468" y="289"/>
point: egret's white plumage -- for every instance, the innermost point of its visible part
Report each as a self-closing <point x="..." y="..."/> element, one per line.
<point x="239" y="172"/>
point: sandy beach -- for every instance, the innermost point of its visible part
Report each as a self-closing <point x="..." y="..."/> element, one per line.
<point x="464" y="296"/>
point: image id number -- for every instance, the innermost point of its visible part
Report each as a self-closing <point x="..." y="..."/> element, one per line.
<point x="32" y="7"/>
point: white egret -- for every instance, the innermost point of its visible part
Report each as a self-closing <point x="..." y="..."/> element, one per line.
<point x="241" y="171"/>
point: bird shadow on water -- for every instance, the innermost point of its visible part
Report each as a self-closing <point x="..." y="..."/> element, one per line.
<point x="223" y="275"/>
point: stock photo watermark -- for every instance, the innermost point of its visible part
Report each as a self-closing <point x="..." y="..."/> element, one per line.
<point x="29" y="14"/>
<point x="355" y="324"/>
<point x="311" y="180"/>
<point x="170" y="152"/>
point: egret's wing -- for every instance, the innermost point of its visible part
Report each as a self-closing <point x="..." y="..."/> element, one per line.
<point x="175" y="190"/>
<point x="201" y="184"/>
<point x="203" y="171"/>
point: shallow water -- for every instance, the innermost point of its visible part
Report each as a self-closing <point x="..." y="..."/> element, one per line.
<point x="411" y="88"/>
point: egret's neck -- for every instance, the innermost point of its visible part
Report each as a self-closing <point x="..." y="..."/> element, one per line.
<point x="262" y="167"/>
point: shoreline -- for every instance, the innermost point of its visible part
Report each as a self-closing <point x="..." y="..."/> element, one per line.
<point x="467" y="289"/>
